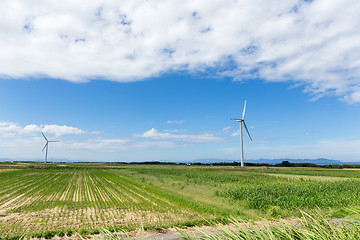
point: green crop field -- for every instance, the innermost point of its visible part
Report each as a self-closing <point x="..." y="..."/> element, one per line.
<point x="38" y="197"/>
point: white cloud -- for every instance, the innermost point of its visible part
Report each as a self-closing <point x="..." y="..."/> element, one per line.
<point x="234" y="134"/>
<point x="225" y="129"/>
<point x="313" y="43"/>
<point x="204" y="137"/>
<point x="61" y="130"/>
<point x="11" y="129"/>
<point x="175" y="121"/>
<point x="237" y="133"/>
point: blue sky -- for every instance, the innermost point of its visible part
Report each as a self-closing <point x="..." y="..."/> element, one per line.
<point x="127" y="84"/>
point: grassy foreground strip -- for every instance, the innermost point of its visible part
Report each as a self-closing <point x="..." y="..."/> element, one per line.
<point x="305" y="227"/>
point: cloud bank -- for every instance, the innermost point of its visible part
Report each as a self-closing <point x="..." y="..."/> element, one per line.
<point x="311" y="43"/>
<point x="12" y="129"/>
<point x="204" y="137"/>
<point x="75" y="142"/>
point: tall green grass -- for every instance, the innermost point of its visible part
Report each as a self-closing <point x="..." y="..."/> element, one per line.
<point x="306" y="227"/>
<point x="292" y="194"/>
<point x="255" y="188"/>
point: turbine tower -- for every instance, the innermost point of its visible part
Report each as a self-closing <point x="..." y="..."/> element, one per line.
<point x="242" y="121"/>
<point x="46" y="146"/>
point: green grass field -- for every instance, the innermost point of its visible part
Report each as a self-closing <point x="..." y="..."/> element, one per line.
<point x="87" y="197"/>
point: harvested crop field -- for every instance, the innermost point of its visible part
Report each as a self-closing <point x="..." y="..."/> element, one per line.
<point x="38" y="200"/>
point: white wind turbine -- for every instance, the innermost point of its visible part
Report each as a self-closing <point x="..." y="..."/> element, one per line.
<point x="242" y="121"/>
<point x="46" y="146"/>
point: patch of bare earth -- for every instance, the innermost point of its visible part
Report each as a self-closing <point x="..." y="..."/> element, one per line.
<point x="11" y="201"/>
<point x="8" y="169"/>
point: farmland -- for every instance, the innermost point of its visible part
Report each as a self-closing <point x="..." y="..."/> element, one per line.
<point x="38" y="197"/>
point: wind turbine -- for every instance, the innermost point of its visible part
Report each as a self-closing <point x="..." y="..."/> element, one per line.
<point x="46" y="146"/>
<point x="242" y="121"/>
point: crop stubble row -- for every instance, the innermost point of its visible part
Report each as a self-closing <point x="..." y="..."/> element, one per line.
<point x="38" y="200"/>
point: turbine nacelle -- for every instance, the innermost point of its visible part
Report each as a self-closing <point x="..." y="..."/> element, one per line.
<point x="237" y="119"/>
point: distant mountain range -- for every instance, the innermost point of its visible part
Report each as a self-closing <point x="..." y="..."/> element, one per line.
<point x="319" y="161"/>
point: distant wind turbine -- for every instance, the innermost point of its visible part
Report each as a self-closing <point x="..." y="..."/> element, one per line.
<point x="242" y="121"/>
<point x="46" y="146"/>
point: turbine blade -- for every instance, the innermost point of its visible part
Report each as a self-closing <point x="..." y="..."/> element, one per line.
<point x="44" y="136"/>
<point x="244" y="110"/>
<point x="247" y="130"/>
<point x="45" y="146"/>
<point x="53" y="141"/>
